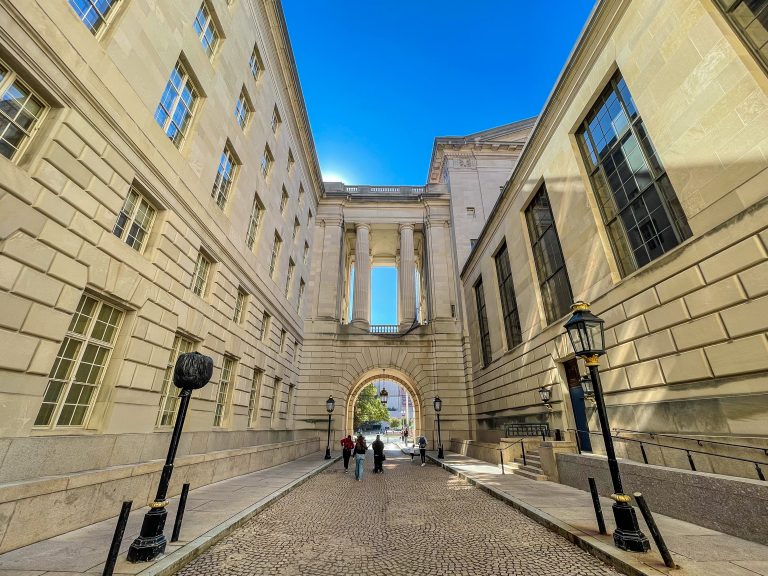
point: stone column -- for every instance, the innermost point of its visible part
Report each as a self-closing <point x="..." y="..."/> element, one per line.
<point x="439" y="243"/>
<point x="361" y="307"/>
<point x="328" y="300"/>
<point x="406" y="280"/>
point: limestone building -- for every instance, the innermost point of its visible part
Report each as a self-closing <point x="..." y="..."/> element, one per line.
<point x="160" y="193"/>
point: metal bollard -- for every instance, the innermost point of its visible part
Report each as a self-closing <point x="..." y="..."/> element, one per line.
<point x="598" y="508"/>
<point x="180" y="512"/>
<point x="117" y="539"/>
<point x="660" y="544"/>
<point x="501" y="458"/>
<point x="522" y="445"/>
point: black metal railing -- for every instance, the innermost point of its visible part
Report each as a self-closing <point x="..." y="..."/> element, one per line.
<point x="516" y="429"/>
<point x="689" y="452"/>
<point x="507" y="444"/>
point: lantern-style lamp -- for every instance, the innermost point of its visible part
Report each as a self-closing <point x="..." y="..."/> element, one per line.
<point x="586" y="333"/>
<point x="384" y="396"/>
<point x="437" y="404"/>
<point x="587" y="386"/>
<point x="330" y="404"/>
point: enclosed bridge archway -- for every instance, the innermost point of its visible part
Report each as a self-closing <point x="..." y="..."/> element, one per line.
<point x="385" y="374"/>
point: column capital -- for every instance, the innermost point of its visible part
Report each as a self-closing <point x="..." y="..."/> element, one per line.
<point x="406" y="227"/>
<point x="331" y="221"/>
<point x="365" y="225"/>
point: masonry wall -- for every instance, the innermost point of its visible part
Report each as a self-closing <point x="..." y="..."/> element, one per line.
<point x="59" y="202"/>
<point x="686" y="334"/>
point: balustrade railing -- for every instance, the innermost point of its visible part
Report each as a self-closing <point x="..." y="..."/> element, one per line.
<point x="383" y="328"/>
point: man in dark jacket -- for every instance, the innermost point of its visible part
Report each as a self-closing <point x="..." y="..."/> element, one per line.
<point x="378" y="454"/>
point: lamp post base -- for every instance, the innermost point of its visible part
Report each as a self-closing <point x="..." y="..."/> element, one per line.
<point x="440" y="454"/>
<point x="327" y="453"/>
<point x="628" y="535"/>
<point x="151" y="541"/>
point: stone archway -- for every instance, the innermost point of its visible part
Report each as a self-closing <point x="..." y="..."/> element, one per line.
<point x="385" y="374"/>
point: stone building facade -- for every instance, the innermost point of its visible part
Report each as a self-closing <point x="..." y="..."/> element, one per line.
<point x="158" y="192"/>
<point x="642" y="190"/>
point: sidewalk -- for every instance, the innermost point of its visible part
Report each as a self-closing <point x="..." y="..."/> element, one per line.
<point x="212" y="512"/>
<point x="568" y="511"/>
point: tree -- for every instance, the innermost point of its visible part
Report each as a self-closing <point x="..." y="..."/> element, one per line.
<point x="394" y="423"/>
<point x="369" y="408"/>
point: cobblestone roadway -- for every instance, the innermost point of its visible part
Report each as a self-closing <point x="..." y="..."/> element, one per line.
<point x="411" y="520"/>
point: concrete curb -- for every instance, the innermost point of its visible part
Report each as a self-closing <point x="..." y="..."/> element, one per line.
<point x="611" y="556"/>
<point x="179" y="558"/>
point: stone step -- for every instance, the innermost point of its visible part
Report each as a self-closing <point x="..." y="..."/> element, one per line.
<point x="530" y="475"/>
<point x="532" y="469"/>
<point x="510" y="467"/>
<point x="528" y="460"/>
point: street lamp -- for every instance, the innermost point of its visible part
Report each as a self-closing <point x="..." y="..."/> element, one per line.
<point x="438" y="405"/>
<point x="330" y="404"/>
<point x="384" y="396"/>
<point x="586" y="385"/>
<point x="585" y="331"/>
<point x="545" y="393"/>
<point x="192" y="371"/>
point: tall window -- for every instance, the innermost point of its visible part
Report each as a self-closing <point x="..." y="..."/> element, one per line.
<point x="283" y="340"/>
<point x="20" y="113"/>
<point x="301" y="194"/>
<point x="639" y="207"/>
<point x="266" y="161"/>
<point x="508" y="300"/>
<point x="289" y="276"/>
<point x="306" y="251"/>
<point x="135" y="220"/>
<point x="200" y="275"/>
<point x="169" y="400"/>
<point x="291" y="397"/>
<point x="223" y="391"/>
<point x="482" y="321"/>
<point x="296" y="226"/>
<point x="243" y="110"/>
<point x="77" y="373"/>
<point x="255" y="395"/>
<point x="750" y="18"/>
<point x="253" y="221"/>
<point x="177" y="105"/>
<point x="206" y="30"/>
<point x="548" y="257"/>
<point x="302" y="286"/>
<point x="240" y="306"/>
<point x="94" y="13"/>
<point x="255" y="63"/>
<point x="291" y="160"/>
<point x="225" y="174"/>
<point x="284" y="201"/>
<point x="266" y="324"/>
<point x="276" y="245"/>
<point x="276" y="120"/>
<point x="278" y="393"/>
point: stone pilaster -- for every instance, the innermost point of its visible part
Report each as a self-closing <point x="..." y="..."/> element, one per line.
<point x="329" y="291"/>
<point x="361" y="307"/>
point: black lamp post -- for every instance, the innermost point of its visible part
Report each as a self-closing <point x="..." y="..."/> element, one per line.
<point x="585" y="331"/>
<point x="438" y="405"/>
<point x="545" y="393"/>
<point x="192" y="371"/>
<point x="330" y="404"/>
<point x="589" y="389"/>
<point x="384" y="396"/>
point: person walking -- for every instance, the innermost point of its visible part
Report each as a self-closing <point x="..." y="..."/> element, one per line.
<point x="378" y="454"/>
<point x="423" y="449"/>
<point x="360" y="449"/>
<point x="347" y="445"/>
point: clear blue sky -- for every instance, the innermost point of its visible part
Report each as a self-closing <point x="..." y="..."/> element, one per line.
<point x="382" y="79"/>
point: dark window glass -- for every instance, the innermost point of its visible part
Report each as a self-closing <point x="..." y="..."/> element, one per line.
<point x="508" y="300"/>
<point x="640" y="209"/>
<point x="482" y="319"/>
<point x="750" y="19"/>
<point x="548" y="257"/>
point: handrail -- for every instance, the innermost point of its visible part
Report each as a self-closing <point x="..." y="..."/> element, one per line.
<point x="688" y="451"/>
<point x="697" y="440"/>
<point x="501" y="452"/>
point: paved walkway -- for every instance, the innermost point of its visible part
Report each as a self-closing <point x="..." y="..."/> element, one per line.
<point x="408" y="520"/>
<point x="698" y="551"/>
<point x="209" y="510"/>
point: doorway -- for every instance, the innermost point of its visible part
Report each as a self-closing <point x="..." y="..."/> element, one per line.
<point x="576" y="392"/>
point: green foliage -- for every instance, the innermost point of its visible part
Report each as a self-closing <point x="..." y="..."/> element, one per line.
<point x="394" y="423"/>
<point x="369" y="408"/>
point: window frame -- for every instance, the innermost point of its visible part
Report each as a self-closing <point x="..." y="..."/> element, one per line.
<point x="551" y="315"/>
<point x="276" y="121"/>
<point x="289" y="276"/>
<point x="510" y="311"/>
<point x="254" y="220"/>
<point x="106" y="19"/>
<point x="84" y="341"/>
<point x="224" y="182"/>
<point x="486" y="352"/>
<point x="266" y="327"/>
<point x="277" y="245"/>
<point x="244" y="110"/>
<point x="166" y="398"/>
<point x="211" y="23"/>
<point x="302" y="288"/>
<point x="241" y="306"/>
<point x="254" y="396"/>
<point x="267" y="160"/>
<point x="223" y="391"/>
<point x="256" y="63"/>
<point x="130" y="220"/>
<point x="10" y="80"/>
<point x="203" y="289"/>
<point x="186" y="81"/>
<point x="741" y="32"/>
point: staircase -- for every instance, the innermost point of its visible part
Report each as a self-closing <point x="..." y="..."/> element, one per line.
<point x="532" y="467"/>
